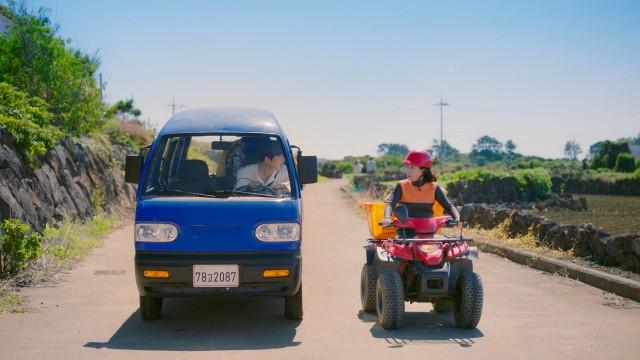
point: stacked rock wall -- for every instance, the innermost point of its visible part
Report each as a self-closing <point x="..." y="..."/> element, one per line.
<point x="63" y="185"/>
<point x="585" y="240"/>
<point x="575" y="185"/>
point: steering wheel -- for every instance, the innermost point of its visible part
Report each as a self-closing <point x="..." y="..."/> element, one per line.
<point x="260" y="189"/>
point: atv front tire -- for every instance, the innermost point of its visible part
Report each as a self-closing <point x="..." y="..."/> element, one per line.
<point x="390" y="300"/>
<point x="150" y="307"/>
<point x="368" y="280"/>
<point x="468" y="304"/>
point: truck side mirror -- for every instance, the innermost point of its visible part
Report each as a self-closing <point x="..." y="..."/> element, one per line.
<point x="308" y="169"/>
<point x="133" y="168"/>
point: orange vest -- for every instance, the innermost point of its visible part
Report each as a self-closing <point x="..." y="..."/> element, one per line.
<point x="411" y="194"/>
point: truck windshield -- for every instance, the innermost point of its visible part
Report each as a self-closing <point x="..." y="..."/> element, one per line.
<point x="219" y="166"/>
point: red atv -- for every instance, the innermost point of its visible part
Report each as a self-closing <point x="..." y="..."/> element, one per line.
<point x="419" y="265"/>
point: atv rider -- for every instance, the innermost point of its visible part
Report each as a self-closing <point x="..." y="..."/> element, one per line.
<point x="419" y="192"/>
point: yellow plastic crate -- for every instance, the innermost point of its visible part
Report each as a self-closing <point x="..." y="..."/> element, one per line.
<point x="375" y="212"/>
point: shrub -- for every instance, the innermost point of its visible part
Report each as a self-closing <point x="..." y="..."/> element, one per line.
<point x="477" y="174"/>
<point x="625" y="162"/>
<point x="18" y="245"/>
<point x="534" y="183"/>
<point x="345" y="167"/>
<point x="27" y="119"/>
<point x="330" y="169"/>
<point x="98" y="200"/>
<point x="608" y="154"/>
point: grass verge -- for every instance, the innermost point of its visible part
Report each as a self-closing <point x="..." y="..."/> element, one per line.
<point x="63" y="246"/>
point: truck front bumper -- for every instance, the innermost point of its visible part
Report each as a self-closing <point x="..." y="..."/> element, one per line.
<point x="251" y="267"/>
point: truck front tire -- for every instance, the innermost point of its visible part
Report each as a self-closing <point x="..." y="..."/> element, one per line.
<point x="150" y="307"/>
<point x="293" y="306"/>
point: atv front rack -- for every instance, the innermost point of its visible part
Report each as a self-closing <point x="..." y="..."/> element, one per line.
<point x="435" y="238"/>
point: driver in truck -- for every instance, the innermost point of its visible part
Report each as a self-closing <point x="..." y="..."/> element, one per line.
<point x="269" y="172"/>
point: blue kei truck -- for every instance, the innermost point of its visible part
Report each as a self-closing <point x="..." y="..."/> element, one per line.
<point x="219" y="209"/>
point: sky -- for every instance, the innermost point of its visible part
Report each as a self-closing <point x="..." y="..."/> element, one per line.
<point x="344" y="76"/>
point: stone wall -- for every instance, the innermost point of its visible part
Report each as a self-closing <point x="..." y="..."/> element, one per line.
<point x="64" y="183"/>
<point x="575" y="185"/>
<point x="585" y="240"/>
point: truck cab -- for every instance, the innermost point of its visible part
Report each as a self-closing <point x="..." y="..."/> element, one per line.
<point x="219" y="209"/>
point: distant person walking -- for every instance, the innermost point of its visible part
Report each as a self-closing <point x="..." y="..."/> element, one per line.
<point x="357" y="167"/>
<point x="371" y="166"/>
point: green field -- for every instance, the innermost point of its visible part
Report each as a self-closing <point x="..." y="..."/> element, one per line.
<point x="616" y="214"/>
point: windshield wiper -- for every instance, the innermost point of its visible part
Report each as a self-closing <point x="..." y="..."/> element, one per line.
<point x="249" y="193"/>
<point x="180" y="192"/>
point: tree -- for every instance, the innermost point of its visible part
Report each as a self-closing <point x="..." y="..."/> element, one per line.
<point x="487" y="143"/>
<point x="510" y="146"/>
<point x="28" y="120"/>
<point x="393" y="149"/>
<point x="125" y="110"/>
<point x="608" y="154"/>
<point x="486" y="149"/>
<point x="35" y="60"/>
<point x="572" y="150"/>
<point x="448" y="151"/>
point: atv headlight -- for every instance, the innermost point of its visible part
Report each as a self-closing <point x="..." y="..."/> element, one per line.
<point x="278" y="232"/>
<point x="156" y="232"/>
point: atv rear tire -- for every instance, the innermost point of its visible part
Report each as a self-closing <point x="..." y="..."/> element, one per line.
<point x="293" y="306"/>
<point x="441" y="306"/>
<point x="368" y="280"/>
<point x="390" y="300"/>
<point x="468" y="304"/>
<point x="150" y="308"/>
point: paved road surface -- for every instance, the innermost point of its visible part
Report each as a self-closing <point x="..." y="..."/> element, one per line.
<point x="527" y="314"/>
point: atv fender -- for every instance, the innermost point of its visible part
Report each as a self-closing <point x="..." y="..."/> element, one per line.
<point x="458" y="266"/>
<point x="370" y="251"/>
<point x="385" y="261"/>
<point x="473" y="253"/>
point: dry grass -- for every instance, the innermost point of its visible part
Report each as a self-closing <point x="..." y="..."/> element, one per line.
<point x="137" y="131"/>
<point x="527" y="242"/>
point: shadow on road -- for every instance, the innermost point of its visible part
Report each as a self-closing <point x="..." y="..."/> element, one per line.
<point x="199" y="325"/>
<point x="423" y="326"/>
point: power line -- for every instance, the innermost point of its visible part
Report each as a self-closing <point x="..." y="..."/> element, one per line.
<point x="442" y="104"/>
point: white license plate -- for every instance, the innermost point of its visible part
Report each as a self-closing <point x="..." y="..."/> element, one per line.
<point x="215" y="275"/>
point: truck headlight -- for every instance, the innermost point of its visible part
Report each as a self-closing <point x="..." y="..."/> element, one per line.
<point x="278" y="232"/>
<point x="156" y="232"/>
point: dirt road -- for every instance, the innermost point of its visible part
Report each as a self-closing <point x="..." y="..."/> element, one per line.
<point x="527" y="314"/>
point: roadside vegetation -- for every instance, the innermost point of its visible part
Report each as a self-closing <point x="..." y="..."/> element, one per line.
<point x="31" y="259"/>
<point x="495" y="168"/>
<point x="48" y="90"/>
<point x="607" y="161"/>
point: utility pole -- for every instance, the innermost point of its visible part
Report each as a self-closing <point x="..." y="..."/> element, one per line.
<point x="441" y="104"/>
<point x="101" y="87"/>
<point x="173" y="106"/>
